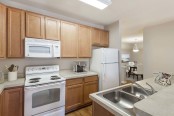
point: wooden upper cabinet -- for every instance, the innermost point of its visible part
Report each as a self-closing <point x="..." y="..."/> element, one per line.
<point x="95" y="35"/>
<point x="84" y="43"/>
<point x="13" y="102"/>
<point x="69" y="39"/>
<point x="2" y="31"/>
<point x="35" y="25"/>
<point x="104" y="38"/>
<point x="52" y="28"/>
<point x="16" y="32"/>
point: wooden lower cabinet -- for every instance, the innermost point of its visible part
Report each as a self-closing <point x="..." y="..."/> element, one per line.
<point x="13" y="102"/>
<point x="98" y="110"/>
<point x="74" y="96"/>
<point x="78" y="90"/>
<point x="1" y="105"/>
<point x="89" y="87"/>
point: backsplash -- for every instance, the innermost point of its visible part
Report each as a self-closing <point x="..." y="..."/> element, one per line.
<point x="64" y="63"/>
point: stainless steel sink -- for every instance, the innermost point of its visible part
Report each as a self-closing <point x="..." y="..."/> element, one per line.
<point x="125" y="97"/>
<point x="137" y="91"/>
<point x="121" y="99"/>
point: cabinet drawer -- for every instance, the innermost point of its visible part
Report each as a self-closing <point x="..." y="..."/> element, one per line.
<point x="74" y="81"/>
<point x="91" y="78"/>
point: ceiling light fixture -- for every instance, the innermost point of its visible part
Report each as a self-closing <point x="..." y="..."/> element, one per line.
<point x="100" y="4"/>
<point x="135" y="48"/>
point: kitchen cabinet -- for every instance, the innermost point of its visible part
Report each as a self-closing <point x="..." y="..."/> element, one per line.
<point x="2" y="31"/>
<point x="13" y="102"/>
<point x="78" y="90"/>
<point x="95" y="35"/>
<point x="35" y="25"/>
<point x="100" y="37"/>
<point x="1" y="103"/>
<point x="52" y="28"/>
<point x="84" y="42"/>
<point x="74" y="94"/>
<point x="69" y="39"/>
<point x="98" y="110"/>
<point x="90" y="86"/>
<point x="104" y="38"/>
<point x="16" y="32"/>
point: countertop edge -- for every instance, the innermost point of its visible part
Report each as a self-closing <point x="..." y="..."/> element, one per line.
<point x="9" y="84"/>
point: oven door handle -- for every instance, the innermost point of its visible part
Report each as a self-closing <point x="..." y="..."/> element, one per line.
<point x="52" y="85"/>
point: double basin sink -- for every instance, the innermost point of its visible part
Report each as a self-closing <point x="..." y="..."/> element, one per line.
<point x="124" y="98"/>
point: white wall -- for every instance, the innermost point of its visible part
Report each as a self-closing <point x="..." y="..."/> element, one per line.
<point x="114" y="35"/>
<point x="158" y="49"/>
<point x="115" y="39"/>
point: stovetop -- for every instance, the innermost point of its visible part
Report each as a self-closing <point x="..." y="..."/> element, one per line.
<point x="37" y="75"/>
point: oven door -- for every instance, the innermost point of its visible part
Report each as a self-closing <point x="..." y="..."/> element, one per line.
<point x="41" y="50"/>
<point x="43" y="98"/>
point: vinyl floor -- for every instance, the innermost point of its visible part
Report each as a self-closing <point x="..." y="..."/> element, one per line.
<point x="87" y="111"/>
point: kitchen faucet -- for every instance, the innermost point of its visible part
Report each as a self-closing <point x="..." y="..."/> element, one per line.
<point x="142" y="88"/>
<point x="152" y="89"/>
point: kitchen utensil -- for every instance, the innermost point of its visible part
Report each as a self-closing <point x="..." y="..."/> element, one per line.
<point x="11" y="68"/>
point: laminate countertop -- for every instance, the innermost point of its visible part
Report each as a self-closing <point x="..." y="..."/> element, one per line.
<point x="158" y="104"/>
<point x="69" y="74"/>
<point x="8" y="84"/>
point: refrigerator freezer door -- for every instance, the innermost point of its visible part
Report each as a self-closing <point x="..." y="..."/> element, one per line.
<point x="110" y="55"/>
<point x="110" y="76"/>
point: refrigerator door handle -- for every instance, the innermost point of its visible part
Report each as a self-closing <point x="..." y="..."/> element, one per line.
<point x="104" y="71"/>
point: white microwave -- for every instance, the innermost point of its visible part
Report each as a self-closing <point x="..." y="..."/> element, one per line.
<point x="41" y="48"/>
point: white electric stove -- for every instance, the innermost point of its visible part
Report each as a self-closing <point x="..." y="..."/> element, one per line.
<point x="44" y="91"/>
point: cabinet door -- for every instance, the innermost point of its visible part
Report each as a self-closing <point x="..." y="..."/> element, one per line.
<point x="84" y="43"/>
<point x="69" y="39"/>
<point x="89" y="87"/>
<point x="52" y="28"/>
<point x="98" y="110"/>
<point x="74" y="96"/>
<point x="2" y="31"/>
<point x="16" y="32"/>
<point x="95" y="35"/>
<point x="35" y="25"/>
<point x="104" y="38"/>
<point x="1" y="103"/>
<point x="13" y="102"/>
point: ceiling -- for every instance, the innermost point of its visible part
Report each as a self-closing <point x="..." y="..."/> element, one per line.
<point x="133" y="15"/>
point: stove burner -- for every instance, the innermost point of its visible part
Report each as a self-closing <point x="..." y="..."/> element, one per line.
<point x="54" y="77"/>
<point x="34" y="81"/>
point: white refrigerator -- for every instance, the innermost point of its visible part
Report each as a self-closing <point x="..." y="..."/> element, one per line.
<point x="105" y="62"/>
